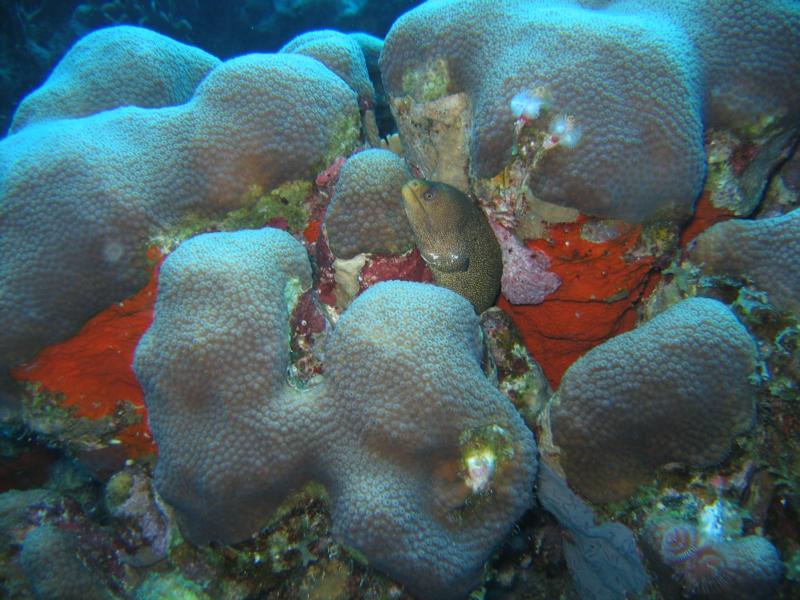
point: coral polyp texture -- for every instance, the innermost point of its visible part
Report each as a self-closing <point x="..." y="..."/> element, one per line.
<point x="764" y="251"/>
<point x="677" y="389"/>
<point x="403" y="491"/>
<point x="739" y="568"/>
<point x="427" y="464"/>
<point x="55" y="569"/>
<point x="223" y="310"/>
<point x="306" y="365"/>
<point x="82" y="199"/>
<point x="622" y="91"/>
<point x="366" y="211"/>
<point x="342" y="54"/>
<point x="118" y="66"/>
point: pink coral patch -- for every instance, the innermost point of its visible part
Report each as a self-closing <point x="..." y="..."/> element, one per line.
<point x="526" y="275"/>
<point x="406" y="267"/>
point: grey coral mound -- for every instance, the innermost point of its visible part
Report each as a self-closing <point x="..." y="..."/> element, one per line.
<point x="81" y="199"/>
<point x="640" y="79"/>
<point x="765" y="251"/>
<point x="51" y="561"/>
<point x="426" y="463"/>
<point x="713" y="567"/>
<point x="676" y="389"/>
<point x="366" y="212"/>
<point x="113" y="67"/>
<point x="212" y="367"/>
<point x="408" y="355"/>
<point x="342" y="54"/>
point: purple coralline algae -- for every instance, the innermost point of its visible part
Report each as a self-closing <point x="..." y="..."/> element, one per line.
<point x="526" y="275"/>
<point x="427" y="464"/>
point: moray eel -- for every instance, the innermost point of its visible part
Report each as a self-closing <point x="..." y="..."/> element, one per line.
<point x="456" y="240"/>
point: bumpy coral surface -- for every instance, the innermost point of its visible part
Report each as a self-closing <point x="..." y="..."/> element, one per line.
<point x="674" y="390"/>
<point x="765" y="251"/>
<point x="118" y="66"/>
<point x="342" y="54"/>
<point x="427" y="464"/>
<point x="51" y="562"/>
<point x="436" y="460"/>
<point x="739" y="568"/>
<point x="209" y="468"/>
<point x="366" y="211"/>
<point x="262" y="388"/>
<point x="80" y="199"/>
<point x="614" y="95"/>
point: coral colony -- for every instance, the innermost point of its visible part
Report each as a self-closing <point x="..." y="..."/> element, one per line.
<point x="503" y="305"/>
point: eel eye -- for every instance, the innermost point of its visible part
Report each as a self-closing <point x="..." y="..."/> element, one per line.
<point x="428" y="196"/>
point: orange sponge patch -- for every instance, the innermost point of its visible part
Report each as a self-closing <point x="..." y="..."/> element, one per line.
<point x="601" y="285"/>
<point x="705" y="215"/>
<point x="92" y="371"/>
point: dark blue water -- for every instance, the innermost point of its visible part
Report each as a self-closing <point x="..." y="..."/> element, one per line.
<point x="35" y="34"/>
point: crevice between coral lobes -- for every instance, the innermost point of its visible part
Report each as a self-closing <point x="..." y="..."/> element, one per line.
<point x="91" y="372"/>
<point x="705" y="215"/>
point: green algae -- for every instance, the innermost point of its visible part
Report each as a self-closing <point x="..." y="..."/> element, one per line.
<point x="427" y="83"/>
<point x="793" y="567"/>
<point x="45" y="412"/>
<point x="739" y="164"/>
<point x="765" y="127"/>
<point x="507" y="361"/>
<point x="287" y="201"/>
<point x="258" y="208"/>
<point x="291" y="293"/>
<point x="118" y="490"/>
<point x="485" y="456"/>
<point x="169" y="586"/>
<point x="344" y="139"/>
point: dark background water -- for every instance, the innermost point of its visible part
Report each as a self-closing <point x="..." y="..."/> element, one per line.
<point x="35" y="34"/>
